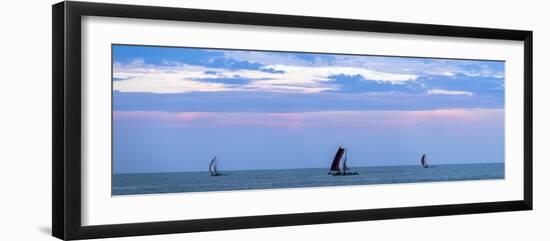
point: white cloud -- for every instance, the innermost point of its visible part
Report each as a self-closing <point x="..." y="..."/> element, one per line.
<point x="165" y="86"/>
<point x="181" y="78"/>
<point x="300" y="75"/>
<point x="449" y="92"/>
<point x="322" y="74"/>
<point x="155" y="79"/>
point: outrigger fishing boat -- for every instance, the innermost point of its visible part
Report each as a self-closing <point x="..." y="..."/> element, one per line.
<point x="424" y="161"/>
<point x="335" y="167"/>
<point x="213" y="167"/>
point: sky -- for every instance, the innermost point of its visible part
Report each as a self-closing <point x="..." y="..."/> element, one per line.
<point x="176" y="108"/>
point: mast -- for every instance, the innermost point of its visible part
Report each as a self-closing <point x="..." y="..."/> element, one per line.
<point x="335" y="167"/>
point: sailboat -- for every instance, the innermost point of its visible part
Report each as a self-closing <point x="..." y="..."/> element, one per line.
<point x="335" y="167"/>
<point x="424" y="161"/>
<point x="213" y="167"/>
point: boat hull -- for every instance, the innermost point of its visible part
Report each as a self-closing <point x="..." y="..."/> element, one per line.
<point x="344" y="173"/>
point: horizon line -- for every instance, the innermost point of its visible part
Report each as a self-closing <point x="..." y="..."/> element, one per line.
<point x="298" y="168"/>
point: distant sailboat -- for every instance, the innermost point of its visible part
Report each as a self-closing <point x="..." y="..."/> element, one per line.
<point x="335" y="167"/>
<point x="213" y="167"/>
<point x="424" y="161"/>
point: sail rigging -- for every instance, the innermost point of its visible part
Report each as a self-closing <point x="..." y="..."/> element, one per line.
<point x="345" y="166"/>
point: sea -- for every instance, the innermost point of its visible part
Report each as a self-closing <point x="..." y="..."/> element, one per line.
<point x="186" y="182"/>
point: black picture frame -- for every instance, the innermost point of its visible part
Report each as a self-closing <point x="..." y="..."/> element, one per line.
<point x="66" y="158"/>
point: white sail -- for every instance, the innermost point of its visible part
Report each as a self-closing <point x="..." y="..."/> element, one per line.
<point x="212" y="168"/>
<point x="345" y="166"/>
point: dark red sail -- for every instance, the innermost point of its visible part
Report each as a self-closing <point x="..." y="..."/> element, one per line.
<point x="336" y="162"/>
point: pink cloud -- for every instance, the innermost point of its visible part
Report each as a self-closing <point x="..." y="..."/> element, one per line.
<point x="326" y="119"/>
<point x="161" y="115"/>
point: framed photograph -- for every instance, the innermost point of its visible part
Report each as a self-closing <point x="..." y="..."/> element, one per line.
<point x="169" y="120"/>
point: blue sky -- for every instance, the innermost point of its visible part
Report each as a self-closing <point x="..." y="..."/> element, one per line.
<point x="175" y="108"/>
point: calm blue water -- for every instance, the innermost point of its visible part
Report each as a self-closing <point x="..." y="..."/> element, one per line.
<point x="148" y="183"/>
